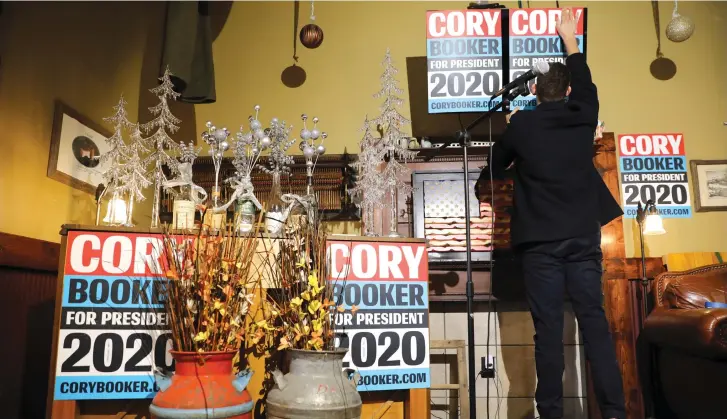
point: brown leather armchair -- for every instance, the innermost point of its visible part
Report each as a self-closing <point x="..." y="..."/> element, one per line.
<point x="690" y="341"/>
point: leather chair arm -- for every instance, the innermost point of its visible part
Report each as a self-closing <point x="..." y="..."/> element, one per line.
<point x="699" y="332"/>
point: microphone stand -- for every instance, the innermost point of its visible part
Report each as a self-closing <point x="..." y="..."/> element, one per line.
<point x="463" y="138"/>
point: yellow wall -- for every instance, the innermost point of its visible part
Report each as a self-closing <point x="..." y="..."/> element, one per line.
<point x="342" y="74"/>
<point x="86" y="54"/>
<point x="89" y="53"/>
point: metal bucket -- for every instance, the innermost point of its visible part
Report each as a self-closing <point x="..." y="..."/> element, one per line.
<point x="202" y="387"/>
<point x="315" y="388"/>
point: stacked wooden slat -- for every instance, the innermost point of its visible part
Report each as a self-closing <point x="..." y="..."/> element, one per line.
<point x="488" y="231"/>
<point x="449" y="234"/>
<point x="502" y="203"/>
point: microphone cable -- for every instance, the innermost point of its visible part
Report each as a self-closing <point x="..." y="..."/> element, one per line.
<point x="496" y="371"/>
<point x="492" y="269"/>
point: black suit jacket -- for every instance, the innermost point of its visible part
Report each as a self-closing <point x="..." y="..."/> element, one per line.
<point x="558" y="191"/>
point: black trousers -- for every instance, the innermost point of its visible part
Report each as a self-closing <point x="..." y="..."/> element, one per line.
<point x="574" y="266"/>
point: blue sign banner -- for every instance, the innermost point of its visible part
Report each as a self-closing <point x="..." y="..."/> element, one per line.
<point x="653" y="168"/>
<point x="113" y="328"/>
<point x="533" y="37"/>
<point x="464" y="59"/>
<point x="383" y="292"/>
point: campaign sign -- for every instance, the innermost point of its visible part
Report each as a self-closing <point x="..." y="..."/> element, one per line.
<point x="654" y="167"/>
<point x="534" y="37"/>
<point x="114" y="331"/>
<point x="385" y="326"/>
<point x="464" y="59"/>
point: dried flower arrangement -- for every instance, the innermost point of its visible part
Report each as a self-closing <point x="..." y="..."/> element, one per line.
<point x="211" y="283"/>
<point x="300" y="315"/>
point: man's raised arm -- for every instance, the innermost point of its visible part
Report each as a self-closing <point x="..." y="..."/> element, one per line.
<point x="582" y="88"/>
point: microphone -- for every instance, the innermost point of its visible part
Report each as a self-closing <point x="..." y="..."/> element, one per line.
<point x="540" y="67"/>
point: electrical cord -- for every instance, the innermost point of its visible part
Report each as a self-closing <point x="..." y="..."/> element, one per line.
<point x="496" y="378"/>
<point x="431" y="404"/>
<point x="492" y="265"/>
<point x="498" y="382"/>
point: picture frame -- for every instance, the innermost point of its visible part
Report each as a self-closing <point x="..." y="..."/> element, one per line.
<point x="709" y="180"/>
<point x="76" y="141"/>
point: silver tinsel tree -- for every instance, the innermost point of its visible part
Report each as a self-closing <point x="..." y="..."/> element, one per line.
<point x="390" y="122"/>
<point x="115" y="160"/>
<point x="163" y="124"/>
<point x="134" y="178"/>
<point x="118" y="150"/>
<point x="369" y="191"/>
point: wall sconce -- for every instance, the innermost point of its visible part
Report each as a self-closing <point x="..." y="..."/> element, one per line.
<point x="651" y="220"/>
<point x="116" y="210"/>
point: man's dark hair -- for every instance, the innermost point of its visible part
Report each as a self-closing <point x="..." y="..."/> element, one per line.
<point x="553" y="85"/>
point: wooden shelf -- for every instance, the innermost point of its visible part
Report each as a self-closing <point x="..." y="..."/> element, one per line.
<point x="332" y="178"/>
<point x="427" y="154"/>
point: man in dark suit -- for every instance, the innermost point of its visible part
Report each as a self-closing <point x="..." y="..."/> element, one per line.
<point x="559" y="206"/>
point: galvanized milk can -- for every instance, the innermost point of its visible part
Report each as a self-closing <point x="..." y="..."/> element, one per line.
<point x="315" y="388"/>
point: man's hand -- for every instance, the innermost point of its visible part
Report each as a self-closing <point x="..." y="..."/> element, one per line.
<point x="600" y="127"/>
<point x="508" y="116"/>
<point x="567" y="24"/>
<point x="567" y="31"/>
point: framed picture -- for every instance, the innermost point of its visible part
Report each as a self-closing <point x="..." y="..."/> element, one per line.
<point x="710" y="185"/>
<point x="76" y="144"/>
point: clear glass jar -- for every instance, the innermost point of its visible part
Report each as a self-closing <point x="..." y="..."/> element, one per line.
<point x="215" y="220"/>
<point x="183" y="209"/>
<point x="303" y="213"/>
<point x="244" y="215"/>
<point x="312" y="213"/>
<point x="275" y="214"/>
<point x="116" y="209"/>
